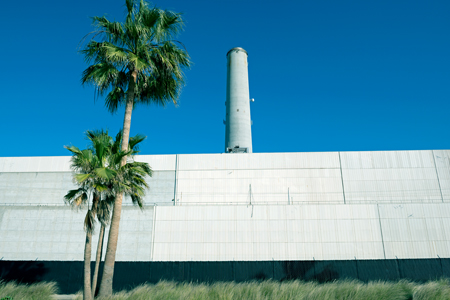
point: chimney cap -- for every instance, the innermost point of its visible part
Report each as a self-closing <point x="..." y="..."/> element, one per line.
<point x="237" y="49"/>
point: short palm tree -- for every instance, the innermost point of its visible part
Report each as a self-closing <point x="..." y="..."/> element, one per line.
<point x="92" y="175"/>
<point x="100" y="177"/>
<point x="103" y="216"/>
<point x="136" y="61"/>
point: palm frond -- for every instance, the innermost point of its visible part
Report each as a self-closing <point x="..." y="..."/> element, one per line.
<point x="102" y="75"/>
<point x="130" y="7"/>
<point x="169" y="25"/>
<point x="73" y="149"/>
<point x="113" y="31"/>
<point x="116" y="158"/>
<point x="101" y="145"/>
<point x="105" y="173"/>
<point x="83" y="162"/>
<point x="93" y="135"/>
<point x="134" y="142"/>
<point x="100" y="187"/>
<point x="81" y="178"/>
<point x="115" y="54"/>
<point x="76" y="198"/>
<point x="116" y="146"/>
<point x="137" y="200"/>
<point x="115" y="98"/>
<point x="104" y="211"/>
<point x="89" y="221"/>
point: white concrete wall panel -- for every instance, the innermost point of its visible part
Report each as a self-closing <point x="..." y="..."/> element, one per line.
<point x="391" y="185"/>
<point x="49" y="188"/>
<point x="34" y="188"/>
<point x="416" y="230"/>
<point x="35" y="164"/>
<point x="269" y="185"/>
<point x="135" y="235"/>
<point x="390" y="176"/>
<point x="259" y="161"/>
<point x="442" y="159"/>
<point x="221" y="233"/>
<point x="288" y="232"/>
<point x="56" y="233"/>
<point x="33" y="233"/>
<point x="158" y="162"/>
<point x="387" y="159"/>
<point x="62" y="163"/>
<point x="161" y="188"/>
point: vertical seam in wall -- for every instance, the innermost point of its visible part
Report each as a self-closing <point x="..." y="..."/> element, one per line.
<point x="175" y="183"/>
<point x="69" y="280"/>
<point x="233" y="267"/>
<point x="381" y="231"/>
<point x="437" y="175"/>
<point x="398" y="268"/>
<point x="273" y="269"/>
<point x="153" y="232"/>
<point x="342" y="177"/>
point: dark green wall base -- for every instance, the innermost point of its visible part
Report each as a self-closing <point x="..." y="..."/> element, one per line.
<point x="127" y="275"/>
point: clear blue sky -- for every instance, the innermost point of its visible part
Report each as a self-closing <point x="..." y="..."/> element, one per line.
<point x="325" y="75"/>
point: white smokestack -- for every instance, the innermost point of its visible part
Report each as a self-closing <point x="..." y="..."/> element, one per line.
<point x="238" y="132"/>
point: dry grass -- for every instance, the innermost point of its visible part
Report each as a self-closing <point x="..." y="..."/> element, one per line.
<point x="256" y="290"/>
<point x="37" y="291"/>
<point x="265" y="290"/>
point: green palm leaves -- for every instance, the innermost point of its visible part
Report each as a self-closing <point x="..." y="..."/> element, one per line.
<point x="100" y="176"/>
<point x="142" y="49"/>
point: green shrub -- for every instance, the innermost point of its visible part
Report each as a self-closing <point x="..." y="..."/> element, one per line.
<point x="435" y="290"/>
<point x="267" y="290"/>
<point x="37" y="291"/>
<point x="254" y="290"/>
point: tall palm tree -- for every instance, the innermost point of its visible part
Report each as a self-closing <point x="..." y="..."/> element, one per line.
<point x="100" y="177"/>
<point x="137" y="61"/>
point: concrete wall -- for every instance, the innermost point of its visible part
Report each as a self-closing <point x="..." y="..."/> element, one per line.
<point x="56" y="233"/>
<point x="227" y="233"/>
<point x="262" y="178"/>
<point x="301" y="206"/>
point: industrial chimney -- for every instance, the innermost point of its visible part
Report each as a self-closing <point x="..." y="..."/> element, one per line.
<point x="238" y="131"/>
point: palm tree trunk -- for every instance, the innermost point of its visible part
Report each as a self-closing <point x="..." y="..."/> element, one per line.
<point x="98" y="259"/>
<point x="110" y="259"/>
<point x="87" y="294"/>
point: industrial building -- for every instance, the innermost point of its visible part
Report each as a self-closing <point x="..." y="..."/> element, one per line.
<point x="241" y="215"/>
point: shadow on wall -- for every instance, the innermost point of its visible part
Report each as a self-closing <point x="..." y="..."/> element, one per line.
<point x="23" y="271"/>
<point x="68" y="275"/>
<point x="312" y="270"/>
